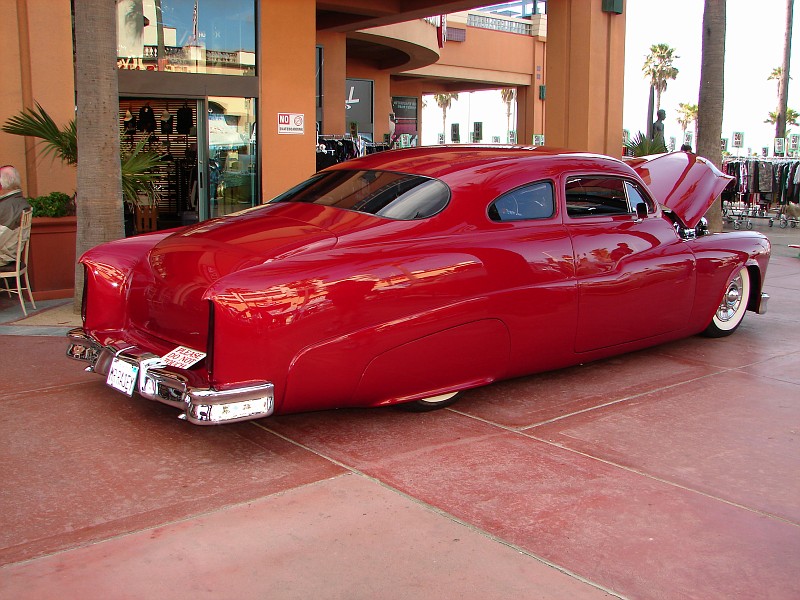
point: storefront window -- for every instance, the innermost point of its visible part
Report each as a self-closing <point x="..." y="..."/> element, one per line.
<point x="187" y="36"/>
<point x="232" y="159"/>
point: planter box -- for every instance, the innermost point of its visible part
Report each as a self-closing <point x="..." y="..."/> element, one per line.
<point x="51" y="259"/>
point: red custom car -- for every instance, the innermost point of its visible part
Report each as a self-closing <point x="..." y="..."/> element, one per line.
<point x="407" y="276"/>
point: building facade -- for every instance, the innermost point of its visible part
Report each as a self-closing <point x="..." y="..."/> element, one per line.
<point x="245" y="98"/>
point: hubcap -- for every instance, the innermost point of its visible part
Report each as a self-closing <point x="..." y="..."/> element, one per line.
<point x="731" y="301"/>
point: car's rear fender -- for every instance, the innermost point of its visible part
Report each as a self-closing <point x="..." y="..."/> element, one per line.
<point x="108" y="271"/>
<point x="358" y="301"/>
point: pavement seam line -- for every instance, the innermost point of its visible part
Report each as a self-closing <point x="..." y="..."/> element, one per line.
<point x="445" y="514"/>
<point x="661" y="480"/>
<point x="527" y="431"/>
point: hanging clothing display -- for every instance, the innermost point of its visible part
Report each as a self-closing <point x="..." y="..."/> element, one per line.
<point x="166" y="123"/>
<point x="333" y="149"/>
<point x="185" y="120"/>
<point x="129" y="123"/>
<point x="147" y="119"/>
<point x="763" y="181"/>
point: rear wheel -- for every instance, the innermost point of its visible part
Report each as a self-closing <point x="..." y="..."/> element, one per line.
<point x="432" y="403"/>
<point x="731" y="309"/>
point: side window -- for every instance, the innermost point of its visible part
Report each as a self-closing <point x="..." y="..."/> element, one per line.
<point x="596" y="196"/>
<point x="533" y="201"/>
<point x="636" y="195"/>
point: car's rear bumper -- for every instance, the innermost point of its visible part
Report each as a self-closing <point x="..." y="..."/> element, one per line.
<point x="201" y="406"/>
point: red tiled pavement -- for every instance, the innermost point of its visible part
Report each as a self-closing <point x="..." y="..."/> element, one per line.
<point x="345" y="538"/>
<point x="667" y="473"/>
<point x="80" y="464"/>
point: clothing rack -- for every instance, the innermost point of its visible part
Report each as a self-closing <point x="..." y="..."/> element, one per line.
<point x="762" y="189"/>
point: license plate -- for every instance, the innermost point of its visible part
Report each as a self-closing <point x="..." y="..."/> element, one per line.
<point x="123" y="376"/>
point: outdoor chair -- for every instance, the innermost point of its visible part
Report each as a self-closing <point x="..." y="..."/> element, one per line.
<point x="18" y="270"/>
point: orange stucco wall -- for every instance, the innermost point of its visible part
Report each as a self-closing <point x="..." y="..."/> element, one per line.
<point x="36" y="46"/>
<point x="583" y="58"/>
<point x="585" y="69"/>
<point x="506" y="55"/>
<point x="334" y="55"/>
<point x="287" y="86"/>
<point x="493" y="59"/>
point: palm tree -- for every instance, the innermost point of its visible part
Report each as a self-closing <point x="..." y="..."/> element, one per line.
<point x="445" y="101"/>
<point x="783" y="82"/>
<point x="658" y="68"/>
<point x="687" y="114"/>
<point x="791" y="117"/>
<point x="508" y="95"/>
<point x="712" y="85"/>
<point x="99" y="204"/>
<point x="776" y="75"/>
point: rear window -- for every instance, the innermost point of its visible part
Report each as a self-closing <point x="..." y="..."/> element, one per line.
<point x="382" y="193"/>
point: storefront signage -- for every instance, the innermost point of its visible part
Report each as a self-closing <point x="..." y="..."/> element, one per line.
<point x="779" y="145"/>
<point x="738" y="139"/>
<point x="794" y="142"/>
<point x="291" y="123"/>
<point x="358" y="103"/>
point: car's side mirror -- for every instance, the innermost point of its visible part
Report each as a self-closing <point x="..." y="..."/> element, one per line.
<point x="641" y="211"/>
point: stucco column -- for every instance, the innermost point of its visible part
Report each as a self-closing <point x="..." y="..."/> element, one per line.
<point x="585" y="68"/>
<point x="287" y="86"/>
<point x="36" y="47"/>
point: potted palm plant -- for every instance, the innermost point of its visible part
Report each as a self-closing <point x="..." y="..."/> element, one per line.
<point x="53" y="234"/>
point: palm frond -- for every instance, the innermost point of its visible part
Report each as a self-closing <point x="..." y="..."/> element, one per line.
<point x="640" y="145"/>
<point x="139" y="176"/>
<point x="37" y="123"/>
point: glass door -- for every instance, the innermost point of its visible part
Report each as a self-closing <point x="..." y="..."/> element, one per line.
<point x="232" y="163"/>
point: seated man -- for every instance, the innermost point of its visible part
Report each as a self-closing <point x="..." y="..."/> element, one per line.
<point x="11" y="206"/>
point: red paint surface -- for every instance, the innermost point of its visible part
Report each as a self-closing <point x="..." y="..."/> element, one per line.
<point x="338" y="308"/>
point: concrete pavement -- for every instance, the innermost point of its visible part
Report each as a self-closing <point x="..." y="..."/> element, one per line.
<point x="673" y="472"/>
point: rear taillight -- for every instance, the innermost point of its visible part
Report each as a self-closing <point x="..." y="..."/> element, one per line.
<point x="84" y="293"/>
<point x="210" y="342"/>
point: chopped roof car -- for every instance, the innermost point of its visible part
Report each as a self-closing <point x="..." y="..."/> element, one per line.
<point x="407" y="276"/>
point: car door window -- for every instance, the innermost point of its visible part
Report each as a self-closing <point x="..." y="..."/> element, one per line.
<point x="533" y="201"/>
<point x="636" y="196"/>
<point x="594" y="196"/>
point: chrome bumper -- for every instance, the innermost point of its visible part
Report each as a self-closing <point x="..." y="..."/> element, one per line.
<point x="762" y="305"/>
<point x="155" y="382"/>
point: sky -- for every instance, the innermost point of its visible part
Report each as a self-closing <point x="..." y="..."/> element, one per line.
<point x="753" y="48"/>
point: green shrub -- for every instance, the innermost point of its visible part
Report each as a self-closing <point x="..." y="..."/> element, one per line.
<point x="639" y="145"/>
<point x="55" y="204"/>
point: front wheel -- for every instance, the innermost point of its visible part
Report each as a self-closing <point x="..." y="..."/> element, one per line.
<point x="432" y="403"/>
<point x="731" y="309"/>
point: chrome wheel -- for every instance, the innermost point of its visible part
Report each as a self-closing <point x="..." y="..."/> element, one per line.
<point x="731" y="309"/>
